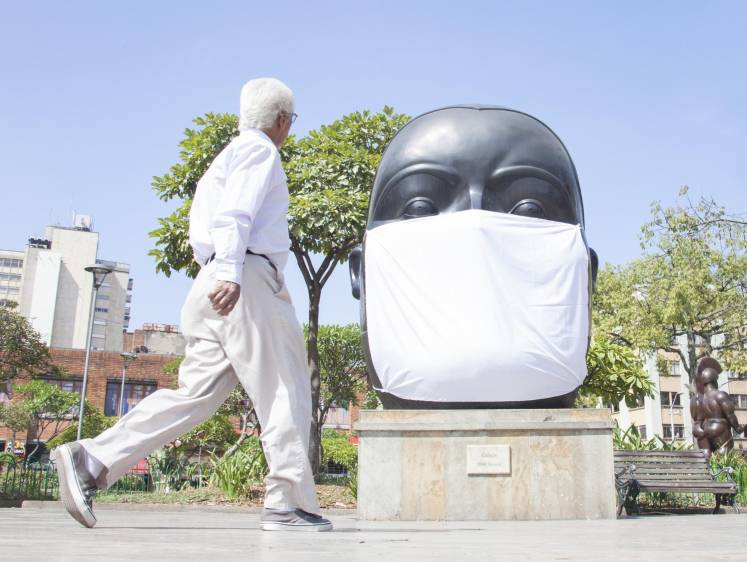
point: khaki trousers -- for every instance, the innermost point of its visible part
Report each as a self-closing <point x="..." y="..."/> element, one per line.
<point x="259" y="344"/>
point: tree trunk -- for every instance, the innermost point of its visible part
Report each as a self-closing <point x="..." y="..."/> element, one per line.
<point x="312" y="350"/>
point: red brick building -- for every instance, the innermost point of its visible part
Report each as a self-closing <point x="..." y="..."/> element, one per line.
<point x="144" y="376"/>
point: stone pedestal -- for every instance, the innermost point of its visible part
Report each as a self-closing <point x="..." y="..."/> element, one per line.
<point x="485" y="465"/>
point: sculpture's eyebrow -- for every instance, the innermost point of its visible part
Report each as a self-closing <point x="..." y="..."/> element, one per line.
<point x="448" y="173"/>
<point x="527" y="171"/>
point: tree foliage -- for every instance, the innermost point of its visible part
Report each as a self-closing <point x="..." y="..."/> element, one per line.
<point x="21" y="347"/>
<point x="199" y="148"/>
<point x="51" y="408"/>
<point x="342" y="368"/>
<point x="615" y="374"/>
<point x="16" y="415"/>
<point x="688" y="293"/>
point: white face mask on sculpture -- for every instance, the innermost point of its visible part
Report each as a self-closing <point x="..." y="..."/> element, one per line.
<point x="477" y="306"/>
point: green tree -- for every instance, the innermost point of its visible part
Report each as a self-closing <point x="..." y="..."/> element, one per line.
<point x="21" y="347"/>
<point x="330" y="175"/>
<point x="688" y="293"/>
<point x="342" y="369"/>
<point x="615" y="374"/>
<point x="199" y="148"/>
<point x="51" y="408"/>
<point x="16" y="416"/>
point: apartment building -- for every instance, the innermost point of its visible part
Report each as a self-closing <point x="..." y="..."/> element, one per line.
<point x="51" y="288"/>
<point x="11" y="274"/>
<point x="667" y="414"/>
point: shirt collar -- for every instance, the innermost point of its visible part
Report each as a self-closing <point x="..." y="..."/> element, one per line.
<point x="257" y="133"/>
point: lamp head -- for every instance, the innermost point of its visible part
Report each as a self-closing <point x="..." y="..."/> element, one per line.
<point x="99" y="273"/>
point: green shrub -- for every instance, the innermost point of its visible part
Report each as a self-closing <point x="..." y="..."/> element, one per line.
<point x="214" y="434"/>
<point x="735" y="461"/>
<point x="237" y="473"/>
<point x="337" y="448"/>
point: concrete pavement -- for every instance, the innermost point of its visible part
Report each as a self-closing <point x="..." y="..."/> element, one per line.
<point x="49" y="534"/>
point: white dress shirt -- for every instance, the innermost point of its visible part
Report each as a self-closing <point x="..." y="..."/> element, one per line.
<point x="241" y="202"/>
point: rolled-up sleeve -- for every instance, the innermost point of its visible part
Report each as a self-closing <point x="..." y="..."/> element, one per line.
<point x="250" y="176"/>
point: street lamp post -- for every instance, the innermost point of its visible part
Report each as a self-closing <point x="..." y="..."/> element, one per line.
<point x="127" y="356"/>
<point x="99" y="274"/>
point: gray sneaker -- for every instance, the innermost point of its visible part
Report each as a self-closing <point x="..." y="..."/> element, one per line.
<point x="77" y="484"/>
<point x="296" y="520"/>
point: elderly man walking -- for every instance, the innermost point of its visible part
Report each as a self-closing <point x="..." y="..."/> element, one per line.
<point x="240" y="326"/>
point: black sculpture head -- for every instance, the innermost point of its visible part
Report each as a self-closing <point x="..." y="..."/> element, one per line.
<point x="471" y="158"/>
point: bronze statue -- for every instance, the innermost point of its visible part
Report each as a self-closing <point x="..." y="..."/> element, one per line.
<point x="712" y="411"/>
<point x="483" y="203"/>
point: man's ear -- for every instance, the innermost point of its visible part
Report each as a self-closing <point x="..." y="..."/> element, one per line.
<point x="594" y="267"/>
<point x="354" y="264"/>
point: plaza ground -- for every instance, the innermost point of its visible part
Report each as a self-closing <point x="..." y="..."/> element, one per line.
<point x="222" y="533"/>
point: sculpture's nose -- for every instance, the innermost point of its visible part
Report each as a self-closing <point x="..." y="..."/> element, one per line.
<point x="475" y="196"/>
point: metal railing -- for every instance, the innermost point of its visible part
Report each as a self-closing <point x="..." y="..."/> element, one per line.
<point x="29" y="482"/>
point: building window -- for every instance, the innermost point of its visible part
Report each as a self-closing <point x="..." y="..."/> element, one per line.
<point x="639" y="403"/>
<point x="679" y="431"/>
<point x="642" y="431"/>
<point x="68" y="385"/>
<point x="102" y="297"/>
<point x="134" y="393"/>
<point x="674" y="368"/>
<point x="100" y="309"/>
<point x="9" y="262"/>
<point x="9" y="290"/>
<point x="670" y="398"/>
<point x="740" y="401"/>
<point x="10" y="276"/>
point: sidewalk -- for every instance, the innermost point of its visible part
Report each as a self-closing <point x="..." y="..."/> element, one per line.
<point x="215" y="535"/>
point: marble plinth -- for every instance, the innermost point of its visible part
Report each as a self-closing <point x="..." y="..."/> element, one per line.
<point x="485" y="465"/>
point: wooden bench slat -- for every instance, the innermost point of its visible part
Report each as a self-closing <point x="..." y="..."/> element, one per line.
<point x="660" y="460"/>
<point x="676" y="454"/>
<point x="683" y="487"/>
<point x="663" y="467"/>
<point x="641" y="471"/>
<point x="662" y="463"/>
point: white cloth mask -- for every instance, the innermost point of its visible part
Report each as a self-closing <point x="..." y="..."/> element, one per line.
<point x="477" y="306"/>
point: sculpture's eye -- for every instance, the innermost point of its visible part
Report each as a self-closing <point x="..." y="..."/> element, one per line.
<point x="419" y="207"/>
<point x="529" y="208"/>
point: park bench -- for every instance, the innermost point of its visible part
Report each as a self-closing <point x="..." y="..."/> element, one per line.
<point x="668" y="471"/>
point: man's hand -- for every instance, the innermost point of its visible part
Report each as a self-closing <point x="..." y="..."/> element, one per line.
<point x="224" y="296"/>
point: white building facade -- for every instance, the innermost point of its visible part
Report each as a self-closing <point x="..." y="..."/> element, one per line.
<point x="54" y="291"/>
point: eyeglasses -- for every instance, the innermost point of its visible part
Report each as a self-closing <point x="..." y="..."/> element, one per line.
<point x="293" y="117"/>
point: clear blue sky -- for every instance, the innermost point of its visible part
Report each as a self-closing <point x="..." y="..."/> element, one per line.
<point x="648" y="96"/>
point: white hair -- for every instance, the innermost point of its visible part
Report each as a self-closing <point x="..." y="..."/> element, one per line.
<point x="262" y="100"/>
